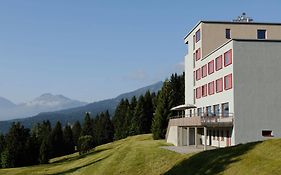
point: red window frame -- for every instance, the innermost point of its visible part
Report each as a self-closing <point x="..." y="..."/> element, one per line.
<point x="204" y="90"/>
<point x="211" y="88"/>
<point x="198" y="54"/>
<point x="229" y="82"/>
<point x="211" y="66"/>
<point x="219" y="63"/>
<point x="229" y="53"/>
<point x="197" y="35"/>
<point x="204" y="71"/>
<point x="198" y="92"/>
<point x="198" y="74"/>
<point x="219" y="85"/>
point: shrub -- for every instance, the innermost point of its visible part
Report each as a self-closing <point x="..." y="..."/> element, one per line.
<point x="85" y="144"/>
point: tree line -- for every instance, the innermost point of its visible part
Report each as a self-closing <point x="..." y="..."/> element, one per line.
<point x="149" y="113"/>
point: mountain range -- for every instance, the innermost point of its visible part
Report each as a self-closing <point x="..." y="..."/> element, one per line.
<point x="44" y="103"/>
<point x="77" y="113"/>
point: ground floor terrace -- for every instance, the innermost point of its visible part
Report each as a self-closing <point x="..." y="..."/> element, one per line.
<point x="215" y="131"/>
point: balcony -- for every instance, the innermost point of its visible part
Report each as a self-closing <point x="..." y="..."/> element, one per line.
<point x="214" y="120"/>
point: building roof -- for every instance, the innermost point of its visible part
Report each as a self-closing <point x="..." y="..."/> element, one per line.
<point x="231" y="22"/>
<point x="243" y="40"/>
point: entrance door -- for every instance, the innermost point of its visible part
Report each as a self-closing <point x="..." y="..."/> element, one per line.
<point x="228" y="141"/>
<point x="191" y="136"/>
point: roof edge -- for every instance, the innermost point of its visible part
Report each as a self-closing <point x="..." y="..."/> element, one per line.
<point x="237" y="39"/>
<point x="230" y="22"/>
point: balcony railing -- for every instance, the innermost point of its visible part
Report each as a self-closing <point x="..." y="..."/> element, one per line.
<point x="203" y="119"/>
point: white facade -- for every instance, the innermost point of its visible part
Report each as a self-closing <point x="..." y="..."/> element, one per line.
<point x="246" y="108"/>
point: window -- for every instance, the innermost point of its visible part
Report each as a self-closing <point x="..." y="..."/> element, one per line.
<point x="194" y="77"/>
<point x="211" y="88"/>
<point x="219" y="63"/>
<point x="204" y="90"/>
<point x="198" y="54"/>
<point x="219" y="86"/>
<point x="225" y="109"/>
<point x="199" y="111"/>
<point x="227" y="34"/>
<point x="209" y="111"/>
<point x="194" y="60"/>
<point x="217" y="110"/>
<point x="193" y="42"/>
<point x="198" y="74"/>
<point x="198" y="92"/>
<point x="228" y="58"/>
<point x="261" y="34"/>
<point x="204" y="71"/>
<point x="194" y="96"/>
<point x="222" y="135"/>
<point x="228" y="82"/>
<point x="267" y="133"/>
<point x="197" y="35"/>
<point x="211" y="67"/>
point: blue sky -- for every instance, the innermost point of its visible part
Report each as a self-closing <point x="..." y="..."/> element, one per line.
<point x="93" y="50"/>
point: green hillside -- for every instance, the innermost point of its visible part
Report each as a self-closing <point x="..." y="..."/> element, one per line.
<point x="142" y="155"/>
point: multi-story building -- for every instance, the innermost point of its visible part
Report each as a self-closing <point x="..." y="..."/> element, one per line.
<point x="232" y="85"/>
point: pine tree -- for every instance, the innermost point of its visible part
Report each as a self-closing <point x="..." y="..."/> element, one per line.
<point x="107" y="131"/>
<point x="68" y="140"/>
<point x="137" y="123"/>
<point x="44" y="154"/>
<point x="88" y="126"/>
<point x="133" y="104"/>
<point x="16" y="153"/>
<point x="77" y="131"/>
<point x="56" y="140"/>
<point x="2" y="145"/>
<point x="149" y="110"/>
<point x="121" y="120"/>
<point x="162" y="113"/>
<point x="32" y="150"/>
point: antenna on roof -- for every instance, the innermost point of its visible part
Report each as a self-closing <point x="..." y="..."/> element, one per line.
<point x="243" y="18"/>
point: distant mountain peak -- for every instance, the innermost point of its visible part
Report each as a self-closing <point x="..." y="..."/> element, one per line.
<point x="5" y="103"/>
<point x="51" y="97"/>
<point x="46" y="102"/>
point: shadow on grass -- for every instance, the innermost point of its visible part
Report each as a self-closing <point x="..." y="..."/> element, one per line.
<point x="79" y="167"/>
<point x="211" y="162"/>
<point x="64" y="160"/>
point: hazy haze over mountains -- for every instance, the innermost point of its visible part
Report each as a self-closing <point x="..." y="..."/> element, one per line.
<point x="78" y="113"/>
<point x="44" y="103"/>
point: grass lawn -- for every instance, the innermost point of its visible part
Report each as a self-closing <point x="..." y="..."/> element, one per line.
<point x="142" y="155"/>
<point x="130" y="156"/>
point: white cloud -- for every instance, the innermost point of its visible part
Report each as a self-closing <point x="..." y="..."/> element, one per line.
<point x="138" y="75"/>
<point x="179" y="67"/>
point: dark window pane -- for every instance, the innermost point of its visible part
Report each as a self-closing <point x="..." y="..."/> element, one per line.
<point x="261" y="34"/>
<point x="227" y="33"/>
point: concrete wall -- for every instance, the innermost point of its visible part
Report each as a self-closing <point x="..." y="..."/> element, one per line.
<point x="189" y="66"/>
<point x="213" y="34"/>
<point x="173" y="135"/>
<point x="257" y="94"/>
<point x="221" y="97"/>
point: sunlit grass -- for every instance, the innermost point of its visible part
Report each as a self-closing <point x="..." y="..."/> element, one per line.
<point x="142" y="155"/>
<point x="133" y="155"/>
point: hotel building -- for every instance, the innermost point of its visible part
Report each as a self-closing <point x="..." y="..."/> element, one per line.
<point x="232" y="85"/>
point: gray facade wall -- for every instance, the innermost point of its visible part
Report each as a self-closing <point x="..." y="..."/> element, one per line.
<point x="257" y="89"/>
